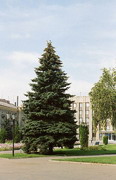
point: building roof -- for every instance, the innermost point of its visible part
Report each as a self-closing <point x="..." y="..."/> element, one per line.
<point x="4" y="104"/>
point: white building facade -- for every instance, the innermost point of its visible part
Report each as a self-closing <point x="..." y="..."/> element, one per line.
<point x="83" y="114"/>
<point x="7" y="110"/>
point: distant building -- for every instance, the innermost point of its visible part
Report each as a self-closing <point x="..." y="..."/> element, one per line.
<point x="83" y="113"/>
<point x="7" y="110"/>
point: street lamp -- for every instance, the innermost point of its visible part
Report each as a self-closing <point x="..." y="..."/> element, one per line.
<point x="12" y="117"/>
<point x="13" y="132"/>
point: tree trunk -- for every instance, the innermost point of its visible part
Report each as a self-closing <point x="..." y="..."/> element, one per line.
<point x="50" y="149"/>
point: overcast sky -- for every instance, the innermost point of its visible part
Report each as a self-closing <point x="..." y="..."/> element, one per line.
<point x="82" y="31"/>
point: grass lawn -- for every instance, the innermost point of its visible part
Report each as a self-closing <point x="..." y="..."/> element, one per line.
<point x="20" y="155"/>
<point x="103" y="160"/>
<point x="108" y="149"/>
<point x="100" y="150"/>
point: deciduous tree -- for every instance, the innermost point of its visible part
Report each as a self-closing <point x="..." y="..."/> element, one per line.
<point x="103" y="98"/>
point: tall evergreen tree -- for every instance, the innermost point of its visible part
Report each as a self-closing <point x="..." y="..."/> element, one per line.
<point x="50" y="121"/>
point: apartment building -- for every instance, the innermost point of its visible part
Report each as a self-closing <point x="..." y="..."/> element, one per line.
<point x="83" y="114"/>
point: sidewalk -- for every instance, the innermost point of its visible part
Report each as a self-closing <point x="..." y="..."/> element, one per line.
<point x="10" y="152"/>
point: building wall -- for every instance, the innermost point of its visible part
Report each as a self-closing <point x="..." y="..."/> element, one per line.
<point x="83" y="113"/>
<point x="7" y="110"/>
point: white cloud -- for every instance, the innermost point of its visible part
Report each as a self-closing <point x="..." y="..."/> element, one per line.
<point x="108" y="63"/>
<point x="18" y="57"/>
<point x="20" y="36"/>
<point x="104" y="58"/>
<point x="15" y="82"/>
<point x="15" y="78"/>
<point x="79" y="87"/>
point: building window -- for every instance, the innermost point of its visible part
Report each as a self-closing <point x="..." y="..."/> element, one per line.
<point x="80" y="106"/>
<point x="87" y="112"/>
<point x="108" y="127"/>
<point x="87" y="120"/>
<point x="114" y="137"/>
<point x="74" y="105"/>
<point x="87" y="106"/>
<point x="80" y="113"/>
<point x="80" y="120"/>
<point x="8" y="116"/>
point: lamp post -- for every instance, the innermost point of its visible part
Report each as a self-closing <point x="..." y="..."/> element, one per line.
<point x="13" y="132"/>
<point x="12" y="118"/>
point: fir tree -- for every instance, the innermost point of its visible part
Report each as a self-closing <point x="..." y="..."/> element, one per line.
<point x="50" y="121"/>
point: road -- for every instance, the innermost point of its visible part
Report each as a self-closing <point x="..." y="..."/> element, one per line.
<point x="44" y="168"/>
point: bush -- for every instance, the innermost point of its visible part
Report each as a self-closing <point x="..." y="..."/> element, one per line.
<point x="44" y="150"/>
<point x="3" y="135"/>
<point x="83" y="135"/>
<point x="17" y="134"/>
<point x="105" y="140"/>
<point x="8" y="128"/>
<point x="95" y="148"/>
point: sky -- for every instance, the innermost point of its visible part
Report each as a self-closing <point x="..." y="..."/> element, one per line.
<point x="83" y="33"/>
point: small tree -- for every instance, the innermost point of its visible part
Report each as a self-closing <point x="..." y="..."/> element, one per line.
<point x="105" y="140"/>
<point x="83" y="135"/>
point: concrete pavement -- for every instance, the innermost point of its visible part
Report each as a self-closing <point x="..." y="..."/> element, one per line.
<point x="44" y="169"/>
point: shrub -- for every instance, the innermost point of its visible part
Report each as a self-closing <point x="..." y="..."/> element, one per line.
<point x="105" y="140"/>
<point x="95" y="148"/>
<point x="17" y="134"/>
<point x="6" y="125"/>
<point x="70" y="146"/>
<point x="83" y="135"/>
<point x="44" y="150"/>
<point x="3" y="135"/>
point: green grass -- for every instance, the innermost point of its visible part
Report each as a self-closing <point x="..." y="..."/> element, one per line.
<point x="108" y="149"/>
<point x="97" y="150"/>
<point x="103" y="160"/>
<point x="20" y="155"/>
<point x="100" y="150"/>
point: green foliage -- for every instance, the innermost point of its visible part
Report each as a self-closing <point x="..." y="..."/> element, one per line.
<point x="83" y="135"/>
<point x="105" y="140"/>
<point x="7" y="126"/>
<point x="103" y="99"/>
<point x="94" y="148"/>
<point x="50" y="121"/>
<point x="3" y="135"/>
<point x="18" y="135"/>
